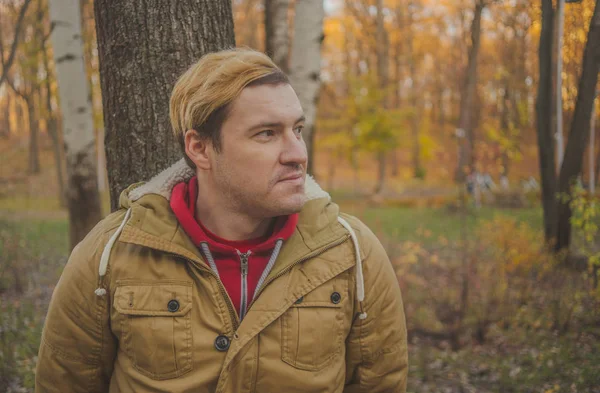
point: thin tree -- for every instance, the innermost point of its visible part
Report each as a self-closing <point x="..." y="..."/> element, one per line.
<point x="305" y="64"/>
<point x="544" y="118"/>
<point x="580" y="129"/>
<point x="82" y="195"/>
<point x="277" y="40"/>
<point x="143" y="47"/>
<point x="468" y="93"/>
<point x="8" y="62"/>
<point x="51" y="116"/>
<point x="382" y="78"/>
<point x="29" y="83"/>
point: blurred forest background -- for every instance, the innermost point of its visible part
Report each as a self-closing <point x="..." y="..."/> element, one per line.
<point x="441" y="124"/>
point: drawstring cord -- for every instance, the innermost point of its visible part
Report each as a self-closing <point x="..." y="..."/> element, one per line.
<point x="360" y="280"/>
<point x="106" y="253"/>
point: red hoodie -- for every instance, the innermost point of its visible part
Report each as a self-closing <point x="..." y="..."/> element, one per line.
<point x="239" y="264"/>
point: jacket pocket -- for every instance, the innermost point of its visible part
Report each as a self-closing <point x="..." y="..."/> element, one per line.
<point x="311" y="333"/>
<point x="156" y="326"/>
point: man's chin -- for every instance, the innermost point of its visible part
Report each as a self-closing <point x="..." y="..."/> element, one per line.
<point x="291" y="205"/>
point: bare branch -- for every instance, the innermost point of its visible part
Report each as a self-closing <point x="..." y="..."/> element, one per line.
<point x="13" y="50"/>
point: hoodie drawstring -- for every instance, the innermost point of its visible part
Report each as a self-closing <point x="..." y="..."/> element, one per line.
<point x="106" y="253"/>
<point x="360" y="280"/>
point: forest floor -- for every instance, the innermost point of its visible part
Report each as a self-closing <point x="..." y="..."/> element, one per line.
<point x="511" y="360"/>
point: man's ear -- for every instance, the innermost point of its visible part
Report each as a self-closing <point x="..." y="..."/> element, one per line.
<point x="198" y="149"/>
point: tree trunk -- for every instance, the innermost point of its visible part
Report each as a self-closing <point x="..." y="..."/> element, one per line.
<point x="382" y="77"/>
<point x="465" y="150"/>
<point x="7" y="63"/>
<point x="580" y="128"/>
<point x="381" y="164"/>
<point x="52" y="127"/>
<point x="277" y="41"/>
<point x="5" y="131"/>
<point x="544" y="126"/>
<point x="34" y="150"/>
<point x="82" y="196"/>
<point x="505" y="127"/>
<point x="143" y="47"/>
<point x="597" y="165"/>
<point x="414" y="97"/>
<point x="305" y="65"/>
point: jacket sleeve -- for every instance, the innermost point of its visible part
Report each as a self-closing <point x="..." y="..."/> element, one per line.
<point x="77" y="347"/>
<point x="376" y="348"/>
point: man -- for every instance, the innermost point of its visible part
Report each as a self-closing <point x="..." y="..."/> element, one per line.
<point x="231" y="271"/>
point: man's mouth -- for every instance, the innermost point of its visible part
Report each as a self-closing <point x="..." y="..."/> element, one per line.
<point x="295" y="178"/>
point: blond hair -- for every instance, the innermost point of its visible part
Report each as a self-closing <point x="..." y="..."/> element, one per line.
<point x="201" y="96"/>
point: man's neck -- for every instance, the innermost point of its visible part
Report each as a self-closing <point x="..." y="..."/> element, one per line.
<point x="226" y="222"/>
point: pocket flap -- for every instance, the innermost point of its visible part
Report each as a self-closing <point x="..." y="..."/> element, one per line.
<point x="317" y="303"/>
<point x="168" y="299"/>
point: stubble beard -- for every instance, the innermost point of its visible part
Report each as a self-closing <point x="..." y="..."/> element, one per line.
<point x="236" y="197"/>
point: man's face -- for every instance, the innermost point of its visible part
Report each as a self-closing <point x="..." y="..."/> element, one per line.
<point x="261" y="167"/>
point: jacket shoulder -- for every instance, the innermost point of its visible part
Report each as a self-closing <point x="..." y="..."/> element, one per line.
<point x="85" y="257"/>
<point x="369" y="243"/>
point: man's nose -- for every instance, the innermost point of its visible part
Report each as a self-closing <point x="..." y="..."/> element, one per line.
<point x="294" y="150"/>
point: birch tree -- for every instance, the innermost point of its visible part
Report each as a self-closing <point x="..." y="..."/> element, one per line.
<point x="305" y="64"/>
<point x="277" y="40"/>
<point x="82" y="196"/>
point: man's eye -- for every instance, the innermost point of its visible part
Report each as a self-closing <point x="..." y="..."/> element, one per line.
<point x="298" y="130"/>
<point x="266" y="133"/>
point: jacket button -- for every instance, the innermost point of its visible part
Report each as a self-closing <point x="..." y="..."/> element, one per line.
<point x="222" y="343"/>
<point x="336" y="298"/>
<point x="300" y="299"/>
<point x="173" y="305"/>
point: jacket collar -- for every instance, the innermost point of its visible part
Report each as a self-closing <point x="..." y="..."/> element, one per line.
<point x="153" y="224"/>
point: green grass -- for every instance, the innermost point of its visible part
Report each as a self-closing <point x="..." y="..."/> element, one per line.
<point x="40" y="237"/>
<point x="409" y="224"/>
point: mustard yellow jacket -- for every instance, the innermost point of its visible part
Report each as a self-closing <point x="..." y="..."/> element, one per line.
<point x="137" y="309"/>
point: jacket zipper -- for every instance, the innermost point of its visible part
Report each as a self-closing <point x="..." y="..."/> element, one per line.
<point x="303" y="259"/>
<point x="244" y="267"/>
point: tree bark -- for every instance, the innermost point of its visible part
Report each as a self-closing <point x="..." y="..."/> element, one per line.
<point x="5" y="132"/>
<point x="82" y="196"/>
<point x="277" y="40"/>
<point x="544" y="126"/>
<point x="580" y="128"/>
<point x="305" y="65"/>
<point x="597" y="165"/>
<point x="382" y="77"/>
<point x="465" y="155"/>
<point x="414" y="99"/>
<point x="505" y="127"/>
<point x="52" y="126"/>
<point x="144" y="45"/>
<point x="34" y="151"/>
